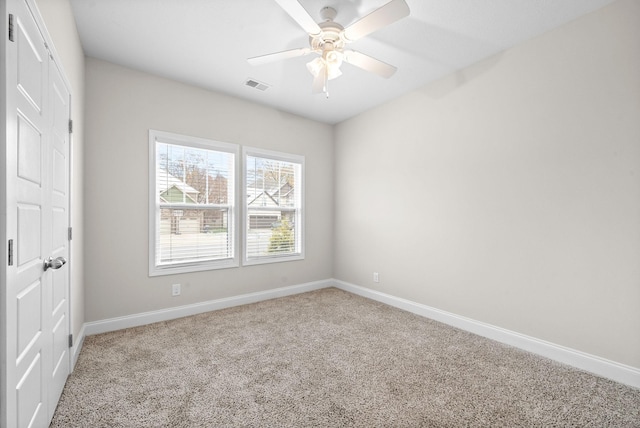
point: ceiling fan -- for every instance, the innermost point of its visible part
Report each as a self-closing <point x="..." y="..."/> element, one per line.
<point x="328" y="39"/>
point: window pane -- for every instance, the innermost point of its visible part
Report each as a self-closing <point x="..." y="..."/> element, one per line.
<point x="271" y="233"/>
<point x="190" y="235"/>
<point x="190" y="175"/>
<point x="273" y="207"/>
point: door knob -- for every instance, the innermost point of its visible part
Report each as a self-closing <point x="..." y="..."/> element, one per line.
<point x="56" y="263"/>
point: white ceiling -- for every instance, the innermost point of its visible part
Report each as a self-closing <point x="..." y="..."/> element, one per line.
<point x="207" y="42"/>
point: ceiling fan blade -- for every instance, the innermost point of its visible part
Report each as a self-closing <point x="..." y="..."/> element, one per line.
<point x="277" y="56"/>
<point x="370" y="64"/>
<point x="379" y="18"/>
<point x="300" y="15"/>
<point x="319" y="81"/>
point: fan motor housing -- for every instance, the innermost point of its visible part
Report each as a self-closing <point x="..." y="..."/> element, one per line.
<point x="332" y="32"/>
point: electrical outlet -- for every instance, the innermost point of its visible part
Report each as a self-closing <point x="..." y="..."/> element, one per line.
<point x="376" y="277"/>
<point x="175" y="290"/>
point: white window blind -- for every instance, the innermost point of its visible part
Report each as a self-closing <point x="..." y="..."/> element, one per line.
<point x="273" y="206"/>
<point x="193" y="204"/>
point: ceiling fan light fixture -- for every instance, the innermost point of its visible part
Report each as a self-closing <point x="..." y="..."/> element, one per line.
<point x="319" y="66"/>
<point x="330" y="62"/>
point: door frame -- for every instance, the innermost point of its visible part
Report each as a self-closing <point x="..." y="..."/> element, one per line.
<point x="7" y="127"/>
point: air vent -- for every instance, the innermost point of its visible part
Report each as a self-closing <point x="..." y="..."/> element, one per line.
<point x="257" y="85"/>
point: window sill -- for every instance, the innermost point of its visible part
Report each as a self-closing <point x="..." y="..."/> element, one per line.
<point x="192" y="267"/>
<point x="273" y="259"/>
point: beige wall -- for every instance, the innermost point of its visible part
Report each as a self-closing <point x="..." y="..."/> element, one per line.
<point x="509" y="193"/>
<point x="60" y="23"/>
<point x="122" y="105"/>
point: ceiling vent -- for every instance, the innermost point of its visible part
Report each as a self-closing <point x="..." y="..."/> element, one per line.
<point x="257" y="85"/>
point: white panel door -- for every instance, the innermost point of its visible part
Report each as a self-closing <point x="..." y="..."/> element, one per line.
<point x="36" y="319"/>
<point x="58" y="178"/>
<point x="25" y="285"/>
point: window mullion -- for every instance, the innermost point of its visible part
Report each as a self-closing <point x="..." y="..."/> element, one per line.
<point x="194" y="206"/>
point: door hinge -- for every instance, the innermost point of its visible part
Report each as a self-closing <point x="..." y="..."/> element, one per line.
<point x="10" y="251"/>
<point x="11" y="27"/>
<point x="70" y="340"/>
<point x="70" y="233"/>
<point x="70" y="126"/>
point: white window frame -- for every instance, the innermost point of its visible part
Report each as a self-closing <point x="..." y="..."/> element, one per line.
<point x="154" y="205"/>
<point x="300" y="212"/>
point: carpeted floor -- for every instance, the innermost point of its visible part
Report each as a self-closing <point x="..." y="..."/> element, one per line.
<point x="327" y="359"/>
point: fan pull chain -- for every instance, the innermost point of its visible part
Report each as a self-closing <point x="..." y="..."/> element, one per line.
<point x="326" y="82"/>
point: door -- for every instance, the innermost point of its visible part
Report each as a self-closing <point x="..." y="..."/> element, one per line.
<point x="36" y="324"/>
<point x="59" y="275"/>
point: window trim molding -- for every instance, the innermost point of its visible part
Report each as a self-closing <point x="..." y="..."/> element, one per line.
<point x="154" y="210"/>
<point x="278" y="156"/>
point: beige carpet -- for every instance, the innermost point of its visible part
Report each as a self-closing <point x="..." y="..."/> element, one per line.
<point x="327" y="359"/>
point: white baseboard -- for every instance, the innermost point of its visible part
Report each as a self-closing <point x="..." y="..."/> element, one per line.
<point x="581" y="360"/>
<point x="113" y="324"/>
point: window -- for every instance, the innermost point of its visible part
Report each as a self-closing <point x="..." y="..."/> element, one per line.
<point x="274" y="203"/>
<point x="192" y="205"/>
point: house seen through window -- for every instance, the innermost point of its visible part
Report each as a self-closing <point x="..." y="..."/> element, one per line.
<point x="273" y="206"/>
<point x="192" y="204"/>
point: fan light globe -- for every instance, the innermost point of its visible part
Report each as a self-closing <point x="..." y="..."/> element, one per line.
<point x="315" y="67"/>
<point x="333" y="58"/>
<point x="333" y="72"/>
